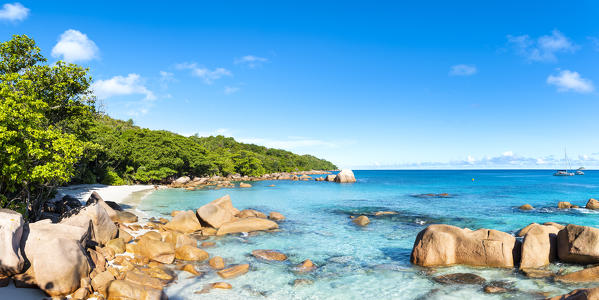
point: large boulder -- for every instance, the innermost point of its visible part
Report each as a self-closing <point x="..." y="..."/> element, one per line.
<point x="592" y="204"/>
<point x="96" y="212"/>
<point x="584" y="275"/>
<point x="57" y="256"/>
<point x="539" y="247"/>
<point x="578" y="244"/>
<point x="96" y="198"/>
<point x="445" y="245"/>
<point x="185" y="222"/>
<point x="330" y="178"/>
<point x="345" y="176"/>
<point x="182" y="180"/>
<point x="156" y="250"/>
<point x="218" y="212"/>
<point x="246" y="225"/>
<point x="191" y="253"/>
<point x="11" y="231"/>
<point x="59" y="266"/>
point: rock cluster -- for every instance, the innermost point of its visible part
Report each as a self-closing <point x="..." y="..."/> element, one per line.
<point x="446" y="245"/>
<point x="93" y="251"/>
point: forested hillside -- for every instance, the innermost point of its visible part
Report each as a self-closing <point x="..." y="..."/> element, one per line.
<point x="51" y="134"/>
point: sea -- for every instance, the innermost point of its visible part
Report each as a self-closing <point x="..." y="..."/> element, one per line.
<point x="373" y="262"/>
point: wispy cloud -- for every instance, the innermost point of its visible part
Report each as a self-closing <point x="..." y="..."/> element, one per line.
<point x="231" y="90"/>
<point x="209" y="76"/>
<point x="462" y="70"/>
<point x="75" y="46"/>
<point x="165" y="79"/>
<point x="506" y="160"/>
<point x="119" y="86"/>
<point x="14" y="12"/>
<point x="544" y="48"/>
<point x="251" y="61"/>
<point x="570" y="81"/>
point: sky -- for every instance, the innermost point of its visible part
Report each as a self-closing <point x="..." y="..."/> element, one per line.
<point x="371" y="84"/>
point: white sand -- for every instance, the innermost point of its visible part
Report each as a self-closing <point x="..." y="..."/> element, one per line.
<point x="116" y="193"/>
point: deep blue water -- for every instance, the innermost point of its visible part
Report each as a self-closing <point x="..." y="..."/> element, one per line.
<point x="373" y="262"/>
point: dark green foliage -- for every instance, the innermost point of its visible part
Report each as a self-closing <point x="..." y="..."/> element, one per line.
<point x="126" y="153"/>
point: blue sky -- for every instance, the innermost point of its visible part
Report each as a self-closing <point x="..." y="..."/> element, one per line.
<point x="432" y="84"/>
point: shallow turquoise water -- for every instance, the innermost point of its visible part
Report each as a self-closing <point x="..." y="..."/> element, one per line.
<point x="373" y="262"/>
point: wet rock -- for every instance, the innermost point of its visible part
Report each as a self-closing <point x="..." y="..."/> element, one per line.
<point x="275" y="216"/>
<point x="191" y="253"/>
<point x="11" y="231"/>
<point x="217" y="263"/>
<point x="526" y="207"/>
<point x="306" y="266"/>
<point x="584" y="275"/>
<point x="385" y="213"/>
<point x="444" y="245"/>
<point x="185" y="222"/>
<point x="578" y="244"/>
<point x="539" y="246"/>
<point x="246" y="225"/>
<point x="207" y="244"/>
<point x="345" y="176"/>
<point x="233" y="272"/>
<point x="564" y="205"/>
<point x="245" y="185"/>
<point x="271" y="255"/>
<point x="459" y="278"/>
<point x="302" y="281"/>
<point x="247" y="213"/>
<point x="191" y="269"/>
<point x="579" y="294"/>
<point x="361" y="221"/>
<point x="592" y="204"/>
<point x="218" y="212"/>
<point x="222" y="285"/>
<point x="489" y="289"/>
<point x="537" y="273"/>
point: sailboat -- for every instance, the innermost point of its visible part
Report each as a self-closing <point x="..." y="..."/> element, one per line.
<point x="565" y="172"/>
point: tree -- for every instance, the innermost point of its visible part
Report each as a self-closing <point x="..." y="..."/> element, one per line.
<point x="44" y="113"/>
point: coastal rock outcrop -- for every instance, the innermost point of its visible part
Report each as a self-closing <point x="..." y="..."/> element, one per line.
<point x="539" y="246"/>
<point x="445" y="245"/>
<point x="592" y="204"/>
<point x="11" y="231"/>
<point x="246" y="225"/>
<point x="104" y="228"/>
<point x="218" y="212"/>
<point x="156" y="250"/>
<point x="580" y="294"/>
<point x="185" y="222"/>
<point x="345" y="176"/>
<point x="584" y="275"/>
<point x="578" y="244"/>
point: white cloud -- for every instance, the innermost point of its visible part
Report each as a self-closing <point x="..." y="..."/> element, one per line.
<point x="570" y="81"/>
<point x="120" y="86"/>
<point x="251" y="61"/>
<point x="206" y="74"/>
<point x="75" y="46"/>
<point x="462" y="70"/>
<point x="544" y="48"/>
<point x="230" y="90"/>
<point x="14" y="12"/>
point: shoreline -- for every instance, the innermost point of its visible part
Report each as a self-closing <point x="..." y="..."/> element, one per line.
<point x="116" y="193"/>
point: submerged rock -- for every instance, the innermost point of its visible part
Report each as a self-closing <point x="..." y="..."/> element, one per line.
<point x="217" y="263"/>
<point x="459" y="278"/>
<point x="245" y="185"/>
<point x="233" y="272"/>
<point x="271" y="255"/>
<point x="580" y="294"/>
<point x="361" y="221"/>
<point x="445" y="245"/>
<point x="584" y="275"/>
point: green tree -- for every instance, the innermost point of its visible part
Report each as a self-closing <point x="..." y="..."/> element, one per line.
<point x="44" y="113"/>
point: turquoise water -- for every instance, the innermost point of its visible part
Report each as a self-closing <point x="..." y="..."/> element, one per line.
<point x="373" y="262"/>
